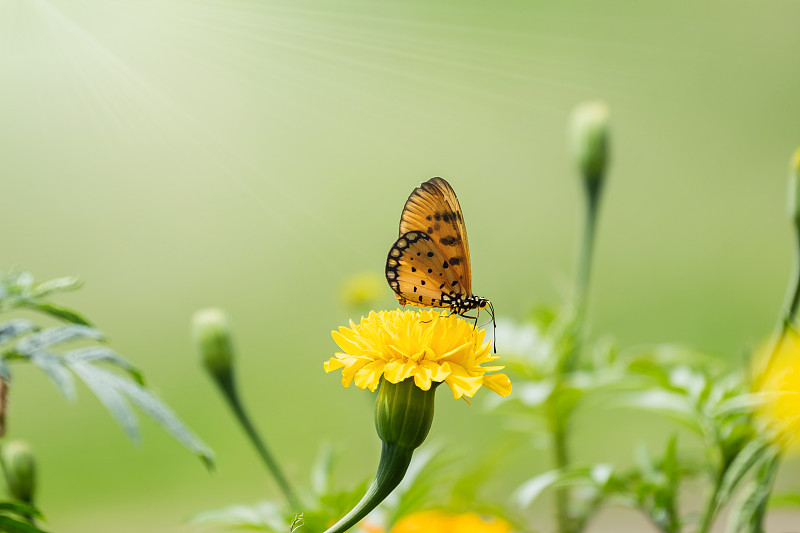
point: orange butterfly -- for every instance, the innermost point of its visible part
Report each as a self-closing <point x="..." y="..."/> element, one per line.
<point x="428" y="266"/>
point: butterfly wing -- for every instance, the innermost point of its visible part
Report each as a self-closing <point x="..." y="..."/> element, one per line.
<point x="420" y="273"/>
<point x="433" y="209"/>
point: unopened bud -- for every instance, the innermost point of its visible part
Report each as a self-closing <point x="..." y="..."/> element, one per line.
<point x="19" y="468"/>
<point x="589" y="139"/>
<point x="212" y="335"/>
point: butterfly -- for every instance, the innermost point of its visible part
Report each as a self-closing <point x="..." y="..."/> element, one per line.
<point x="428" y="266"/>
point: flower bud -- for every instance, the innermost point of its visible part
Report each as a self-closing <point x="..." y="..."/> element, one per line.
<point x="404" y="413"/>
<point x="19" y="468"/>
<point x="589" y="139"/>
<point x="211" y="333"/>
<point x="794" y="188"/>
<point x="362" y="291"/>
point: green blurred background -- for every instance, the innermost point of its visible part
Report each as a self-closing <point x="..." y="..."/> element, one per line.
<point x="253" y="154"/>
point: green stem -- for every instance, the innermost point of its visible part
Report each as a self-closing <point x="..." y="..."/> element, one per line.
<point x="561" y="459"/>
<point x="788" y="315"/>
<point x="593" y="187"/>
<point x="574" y="326"/>
<point x="793" y="294"/>
<point x="391" y="469"/>
<point x="229" y="391"/>
<point x="711" y="508"/>
<point x="559" y="421"/>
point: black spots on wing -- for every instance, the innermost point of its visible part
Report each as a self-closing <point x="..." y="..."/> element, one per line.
<point x="418" y="253"/>
<point x="428" y="218"/>
<point x="413" y="269"/>
<point x="420" y="298"/>
<point x="441" y="286"/>
<point x="455" y="260"/>
<point x="445" y="264"/>
<point x="450" y="240"/>
<point x="430" y="254"/>
<point x="448" y="216"/>
<point x="415" y="288"/>
<point x="455" y="282"/>
<point x="430" y="270"/>
<point x="422" y="282"/>
<point x="430" y="229"/>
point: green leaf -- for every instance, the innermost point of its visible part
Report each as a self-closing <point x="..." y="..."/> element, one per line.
<point x="97" y="381"/>
<point x="53" y="367"/>
<point x="162" y="415"/>
<point x="65" y="284"/>
<point x="15" y="328"/>
<point x="529" y="491"/>
<point x="263" y="516"/>
<point x="752" y="454"/>
<point x="748" y="516"/>
<point x="669" y="404"/>
<point x="57" y="335"/>
<point x="20" y="508"/>
<point x="746" y="403"/>
<point x="61" y="312"/>
<point x="12" y="525"/>
<point x="102" y="354"/>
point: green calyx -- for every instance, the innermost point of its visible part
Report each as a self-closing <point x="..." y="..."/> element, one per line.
<point x="403" y="417"/>
<point x="590" y="139"/>
<point x="404" y="413"/>
<point x="19" y="468"/>
<point x="794" y="188"/>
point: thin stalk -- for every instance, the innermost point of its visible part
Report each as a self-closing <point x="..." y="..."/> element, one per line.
<point x="788" y="314"/>
<point x="593" y="188"/>
<point x="391" y="469"/>
<point x="575" y="325"/>
<point x="561" y="459"/>
<point x="711" y="508"/>
<point x="558" y="422"/>
<point x="793" y="293"/>
<point x="229" y="391"/>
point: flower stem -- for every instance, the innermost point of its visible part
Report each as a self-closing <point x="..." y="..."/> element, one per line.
<point x="593" y="187"/>
<point x="711" y="507"/>
<point x="789" y="314"/>
<point x="391" y="469"/>
<point x="229" y="391"/>
<point x="561" y="458"/>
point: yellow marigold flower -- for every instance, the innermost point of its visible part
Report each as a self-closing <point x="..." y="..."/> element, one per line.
<point x="430" y="346"/>
<point x="781" y="375"/>
<point x="439" y="522"/>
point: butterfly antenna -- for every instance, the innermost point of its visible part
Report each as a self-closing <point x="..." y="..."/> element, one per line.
<point x="494" y="327"/>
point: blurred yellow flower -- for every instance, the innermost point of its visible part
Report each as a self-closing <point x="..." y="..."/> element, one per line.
<point x="362" y="291"/>
<point x="781" y="375"/>
<point x="430" y="346"/>
<point x="439" y="522"/>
